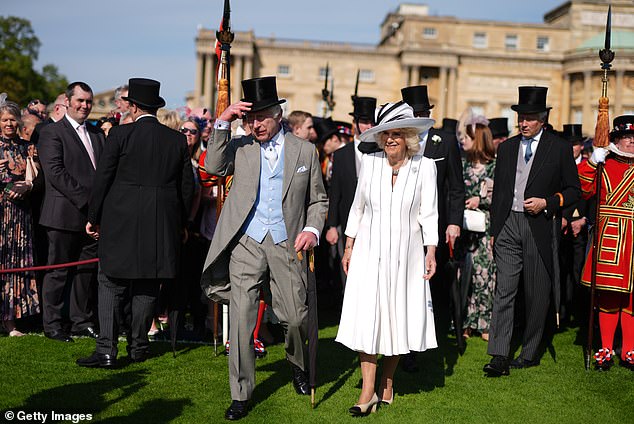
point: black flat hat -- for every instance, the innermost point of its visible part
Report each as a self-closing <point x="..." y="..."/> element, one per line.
<point x="262" y="92"/>
<point x="416" y="97"/>
<point x="145" y="93"/>
<point x="325" y="128"/>
<point x="449" y="125"/>
<point x="499" y="127"/>
<point x="622" y="125"/>
<point x="364" y="108"/>
<point x="531" y="100"/>
<point x="573" y="133"/>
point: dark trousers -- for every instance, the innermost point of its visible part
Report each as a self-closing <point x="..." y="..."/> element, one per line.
<point x="573" y="253"/>
<point x="112" y="292"/>
<point x="516" y="256"/>
<point x="63" y="247"/>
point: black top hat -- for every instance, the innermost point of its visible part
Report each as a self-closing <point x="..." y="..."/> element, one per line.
<point x="364" y="108"/>
<point x="262" y="92"/>
<point x="573" y="133"/>
<point x="449" y="125"/>
<point x="145" y="93"/>
<point x="622" y="125"/>
<point x="416" y="97"/>
<point x="325" y="128"/>
<point x="531" y="100"/>
<point x="499" y="127"/>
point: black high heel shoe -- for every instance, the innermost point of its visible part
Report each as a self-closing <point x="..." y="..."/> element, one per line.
<point x="363" y="409"/>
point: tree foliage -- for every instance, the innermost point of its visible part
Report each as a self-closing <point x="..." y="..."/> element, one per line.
<point x="19" y="48"/>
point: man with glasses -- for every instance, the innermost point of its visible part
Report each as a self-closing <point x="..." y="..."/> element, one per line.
<point x="276" y="209"/>
<point x="38" y="108"/>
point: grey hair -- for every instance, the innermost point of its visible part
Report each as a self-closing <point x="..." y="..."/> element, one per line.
<point x="542" y="116"/>
<point x="13" y="109"/>
<point x="119" y="90"/>
<point x="412" y="140"/>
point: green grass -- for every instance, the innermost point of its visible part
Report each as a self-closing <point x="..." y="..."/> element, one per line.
<point x="37" y="374"/>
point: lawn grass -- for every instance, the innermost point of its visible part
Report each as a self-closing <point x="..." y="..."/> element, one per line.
<point x="37" y="374"/>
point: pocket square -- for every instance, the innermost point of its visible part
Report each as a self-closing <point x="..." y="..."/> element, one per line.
<point x="301" y="169"/>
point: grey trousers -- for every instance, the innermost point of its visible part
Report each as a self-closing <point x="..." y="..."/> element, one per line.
<point x="251" y="265"/>
<point x="516" y="255"/>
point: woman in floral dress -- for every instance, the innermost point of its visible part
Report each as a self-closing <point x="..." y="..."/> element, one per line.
<point x="475" y="247"/>
<point x="18" y="291"/>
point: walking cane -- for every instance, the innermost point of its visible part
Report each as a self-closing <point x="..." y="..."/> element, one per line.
<point x="601" y="139"/>
<point x="313" y="324"/>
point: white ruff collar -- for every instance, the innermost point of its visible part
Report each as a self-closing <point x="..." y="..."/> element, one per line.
<point x="612" y="147"/>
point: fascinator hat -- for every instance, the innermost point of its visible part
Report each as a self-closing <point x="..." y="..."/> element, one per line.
<point x="469" y="119"/>
<point x="392" y="116"/>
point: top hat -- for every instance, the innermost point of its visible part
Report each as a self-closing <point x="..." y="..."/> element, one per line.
<point x="363" y="108"/>
<point x="392" y="116"/>
<point x="531" y="100"/>
<point x="325" y="128"/>
<point x="572" y="133"/>
<point x="262" y="92"/>
<point x="449" y="125"/>
<point x="145" y="93"/>
<point x="416" y="97"/>
<point x="622" y="125"/>
<point x="499" y="127"/>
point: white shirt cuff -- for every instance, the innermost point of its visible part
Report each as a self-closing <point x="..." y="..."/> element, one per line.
<point x="222" y="125"/>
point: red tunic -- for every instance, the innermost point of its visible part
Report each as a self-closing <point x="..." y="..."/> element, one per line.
<point x="615" y="265"/>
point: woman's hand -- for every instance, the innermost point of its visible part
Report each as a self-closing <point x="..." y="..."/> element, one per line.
<point x="430" y="262"/>
<point x="472" y="202"/>
<point x="19" y="190"/>
<point x="345" y="261"/>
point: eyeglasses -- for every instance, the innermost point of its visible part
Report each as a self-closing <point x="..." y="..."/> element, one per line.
<point x="189" y="130"/>
<point x="35" y="102"/>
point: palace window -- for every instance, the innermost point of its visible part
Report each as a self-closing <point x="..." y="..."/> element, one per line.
<point x="366" y="75"/>
<point x="322" y="73"/>
<point x="511" y="42"/>
<point x="283" y="70"/>
<point x="430" y="33"/>
<point x="480" y="40"/>
<point x="543" y="44"/>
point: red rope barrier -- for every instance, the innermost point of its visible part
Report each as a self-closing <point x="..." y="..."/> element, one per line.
<point x="47" y="267"/>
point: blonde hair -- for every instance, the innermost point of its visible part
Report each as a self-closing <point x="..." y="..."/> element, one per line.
<point x="169" y="118"/>
<point x="412" y="140"/>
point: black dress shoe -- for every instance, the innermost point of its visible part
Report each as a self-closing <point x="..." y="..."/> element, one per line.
<point x="97" y="360"/>
<point x="519" y="363"/>
<point x="60" y="336"/>
<point x="408" y="363"/>
<point x="138" y="357"/>
<point x="498" y="367"/>
<point x="300" y="381"/>
<point x="86" y="332"/>
<point x="238" y="409"/>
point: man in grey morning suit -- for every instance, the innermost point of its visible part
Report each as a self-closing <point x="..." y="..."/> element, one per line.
<point x="275" y="208"/>
<point x="535" y="177"/>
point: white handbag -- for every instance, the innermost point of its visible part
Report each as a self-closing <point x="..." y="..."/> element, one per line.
<point x="474" y="220"/>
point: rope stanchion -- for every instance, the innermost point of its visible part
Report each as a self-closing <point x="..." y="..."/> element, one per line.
<point x="47" y="267"/>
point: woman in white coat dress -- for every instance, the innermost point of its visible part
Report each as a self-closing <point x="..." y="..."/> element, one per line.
<point x="390" y="252"/>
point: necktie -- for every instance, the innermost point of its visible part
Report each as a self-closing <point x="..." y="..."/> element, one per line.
<point x="85" y="138"/>
<point x="271" y="154"/>
<point x="529" y="152"/>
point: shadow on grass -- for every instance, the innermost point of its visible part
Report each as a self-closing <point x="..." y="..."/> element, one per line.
<point x="97" y="396"/>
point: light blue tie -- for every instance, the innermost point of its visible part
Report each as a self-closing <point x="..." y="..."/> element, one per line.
<point x="529" y="152"/>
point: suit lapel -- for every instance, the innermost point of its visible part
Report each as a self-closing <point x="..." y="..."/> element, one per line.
<point x="73" y="134"/>
<point x="514" y="151"/>
<point x="543" y="150"/>
<point x="291" y="156"/>
<point x="253" y="154"/>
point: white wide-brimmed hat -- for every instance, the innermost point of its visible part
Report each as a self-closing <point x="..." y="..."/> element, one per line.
<point x="392" y="116"/>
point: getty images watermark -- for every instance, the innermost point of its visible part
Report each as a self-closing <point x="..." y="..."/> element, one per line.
<point x="46" y="417"/>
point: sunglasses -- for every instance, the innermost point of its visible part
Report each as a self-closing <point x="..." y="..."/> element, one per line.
<point x="188" y="130"/>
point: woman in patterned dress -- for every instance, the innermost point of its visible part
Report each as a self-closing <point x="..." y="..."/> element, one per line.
<point x="18" y="291"/>
<point x="475" y="247"/>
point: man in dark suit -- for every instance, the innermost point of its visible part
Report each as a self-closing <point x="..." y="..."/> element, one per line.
<point x="69" y="150"/>
<point x="345" y="172"/>
<point x="535" y="177"/>
<point x="142" y="195"/>
<point x="443" y="148"/>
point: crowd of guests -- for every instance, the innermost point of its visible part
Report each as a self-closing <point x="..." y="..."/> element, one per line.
<point x="387" y="201"/>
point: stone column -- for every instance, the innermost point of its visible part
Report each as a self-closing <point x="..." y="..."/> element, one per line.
<point x="248" y="67"/>
<point x="565" y="99"/>
<point x="618" y="95"/>
<point x="451" y="95"/>
<point x="587" y="100"/>
<point x="198" y="82"/>
<point x="209" y="83"/>
<point x="406" y="70"/>
<point x="236" y="78"/>
<point x="415" y="76"/>
<point x="442" y="94"/>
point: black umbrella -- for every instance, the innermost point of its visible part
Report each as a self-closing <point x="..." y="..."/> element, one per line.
<point x="451" y="277"/>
